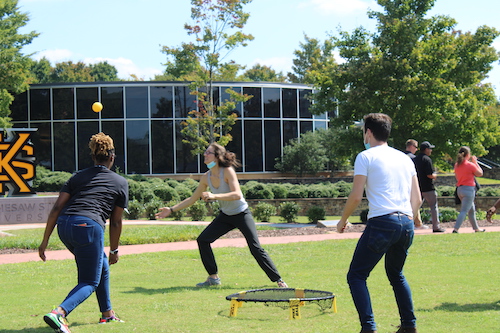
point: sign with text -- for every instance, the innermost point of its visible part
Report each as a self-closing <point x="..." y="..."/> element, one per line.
<point x="17" y="161"/>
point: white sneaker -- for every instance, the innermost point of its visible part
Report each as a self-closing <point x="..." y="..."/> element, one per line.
<point x="421" y="227"/>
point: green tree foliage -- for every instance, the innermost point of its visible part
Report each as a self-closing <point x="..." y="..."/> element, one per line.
<point x="263" y="73"/>
<point x="311" y="59"/>
<point x="217" y="30"/>
<point x="304" y="155"/>
<point x="14" y="73"/>
<point x="72" y="72"/>
<point x="421" y="72"/>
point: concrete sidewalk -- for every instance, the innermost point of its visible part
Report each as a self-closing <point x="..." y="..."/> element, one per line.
<point x="192" y="245"/>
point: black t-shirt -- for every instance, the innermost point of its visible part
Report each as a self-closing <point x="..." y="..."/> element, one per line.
<point x="94" y="192"/>
<point x="423" y="164"/>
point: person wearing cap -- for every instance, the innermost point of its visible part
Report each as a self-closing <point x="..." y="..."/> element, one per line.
<point x="411" y="149"/>
<point x="426" y="176"/>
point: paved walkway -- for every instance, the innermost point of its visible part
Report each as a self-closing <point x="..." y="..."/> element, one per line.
<point x="192" y="245"/>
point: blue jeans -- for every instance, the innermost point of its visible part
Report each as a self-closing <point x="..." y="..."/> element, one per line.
<point x="391" y="235"/>
<point x="467" y="195"/>
<point x="85" y="239"/>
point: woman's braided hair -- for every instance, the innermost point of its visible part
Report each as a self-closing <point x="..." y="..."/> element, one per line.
<point x="101" y="147"/>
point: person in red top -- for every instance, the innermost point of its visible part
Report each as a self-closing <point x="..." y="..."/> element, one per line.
<point x="466" y="169"/>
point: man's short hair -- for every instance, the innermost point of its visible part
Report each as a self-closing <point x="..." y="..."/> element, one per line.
<point x="411" y="143"/>
<point x="380" y="124"/>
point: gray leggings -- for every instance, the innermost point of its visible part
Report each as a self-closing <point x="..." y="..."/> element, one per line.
<point x="221" y="225"/>
<point x="467" y="195"/>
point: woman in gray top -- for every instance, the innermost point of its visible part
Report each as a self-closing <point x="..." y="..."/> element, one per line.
<point x="223" y="183"/>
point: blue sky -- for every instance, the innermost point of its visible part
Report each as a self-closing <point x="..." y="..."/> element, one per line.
<point x="129" y="33"/>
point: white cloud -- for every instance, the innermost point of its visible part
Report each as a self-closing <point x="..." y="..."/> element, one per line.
<point x="339" y="7"/>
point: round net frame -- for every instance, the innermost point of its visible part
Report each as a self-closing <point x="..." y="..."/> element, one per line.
<point x="284" y="298"/>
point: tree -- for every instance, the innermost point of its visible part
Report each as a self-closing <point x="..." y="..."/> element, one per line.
<point x="14" y="65"/>
<point x="421" y="72"/>
<point x="304" y="155"/>
<point x="312" y="58"/>
<point x="217" y="28"/>
<point x="263" y="73"/>
<point x="68" y="71"/>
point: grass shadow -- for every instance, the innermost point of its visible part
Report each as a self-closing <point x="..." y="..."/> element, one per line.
<point x="471" y="307"/>
<point x="153" y="291"/>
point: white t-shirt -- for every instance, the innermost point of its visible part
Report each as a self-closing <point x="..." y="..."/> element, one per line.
<point x="389" y="175"/>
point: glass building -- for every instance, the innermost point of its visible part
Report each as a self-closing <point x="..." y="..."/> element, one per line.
<point x="144" y="120"/>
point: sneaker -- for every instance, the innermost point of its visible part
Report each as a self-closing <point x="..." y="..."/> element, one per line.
<point x="209" y="282"/>
<point x="112" y="319"/>
<point x="439" y="230"/>
<point x="480" y="230"/>
<point x="455" y="231"/>
<point x="282" y="284"/>
<point x="57" y="321"/>
<point x="421" y="227"/>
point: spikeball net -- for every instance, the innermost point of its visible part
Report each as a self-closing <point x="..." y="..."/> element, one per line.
<point x="292" y="298"/>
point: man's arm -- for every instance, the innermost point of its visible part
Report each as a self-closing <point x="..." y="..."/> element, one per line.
<point x="355" y="197"/>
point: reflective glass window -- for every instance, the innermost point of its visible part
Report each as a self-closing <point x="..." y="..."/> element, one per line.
<point x="271" y="98"/>
<point x="64" y="146"/>
<point x="85" y="130"/>
<point x="253" y="146"/>
<point x="19" y="107"/>
<point x="137" y="102"/>
<point x="42" y="140"/>
<point x="235" y="145"/>
<point x="40" y="104"/>
<point x="85" y="97"/>
<point x="215" y="95"/>
<point x="272" y="137"/>
<point x="185" y="161"/>
<point x="226" y="97"/>
<point x="161" y="102"/>
<point x="112" y="101"/>
<point x="115" y="129"/>
<point x="306" y="126"/>
<point x="304" y="103"/>
<point x="138" y="146"/>
<point x="162" y="140"/>
<point x="289" y="98"/>
<point x="290" y="131"/>
<point x="253" y="107"/>
<point x="320" y="125"/>
<point x="184" y="101"/>
<point x="64" y="103"/>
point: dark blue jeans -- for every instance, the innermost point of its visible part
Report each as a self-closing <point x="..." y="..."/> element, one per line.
<point x="85" y="239"/>
<point x="391" y="235"/>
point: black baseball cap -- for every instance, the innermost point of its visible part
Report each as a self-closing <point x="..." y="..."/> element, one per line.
<point x="426" y="144"/>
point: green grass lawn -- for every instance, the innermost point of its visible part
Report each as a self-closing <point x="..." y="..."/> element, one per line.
<point x="454" y="279"/>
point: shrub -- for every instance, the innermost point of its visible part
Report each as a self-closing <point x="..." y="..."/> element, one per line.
<point x="315" y="213"/>
<point x="165" y="192"/>
<point x="289" y="211"/>
<point x="171" y="182"/>
<point x="198" y="211"/>
<point x="320" y="191"/>
<point x="280" y="191"/>
<point x="177" y="215"/>
<point x="488" y="192"/>
<point x="191" y="184"/>
<point x="152" y="207"/>
<point x="344" y="188"/>
<point x="140" y="191"/>
<point x="259" y="191"/>
<point x="263" y="211"/>
<point x="480" y="214"/>
<point x="425" y="215"/>
<point x="447" y="214"/>
<point x="135" y="210"/>
<point x="214" y="208"/>
<point x="51" y="182"/>
<point x="445" y="191"/>
<point x="183" y="191"/>
<point x="297" y="191"/>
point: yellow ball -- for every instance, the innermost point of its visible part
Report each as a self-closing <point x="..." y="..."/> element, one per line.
<point x="97" y="107"/>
